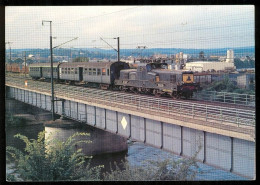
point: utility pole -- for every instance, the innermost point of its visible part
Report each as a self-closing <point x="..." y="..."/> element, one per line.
<point x="10" y="49"/>
<point x="118" y="47"/>
<point x="70" y="55"/>
<point x="118" y="50"/>
<point x="52" y="87"/>
<point x="5" y="51"/>
<point x="142" y="48"/>
<point x="25" y="63"/>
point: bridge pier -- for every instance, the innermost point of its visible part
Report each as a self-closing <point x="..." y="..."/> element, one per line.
<point x="101" y="141"/>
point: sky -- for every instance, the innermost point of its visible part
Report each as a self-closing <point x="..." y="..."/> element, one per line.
<point x="198" y="27"/>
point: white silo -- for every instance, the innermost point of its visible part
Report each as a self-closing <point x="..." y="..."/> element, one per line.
<point x="230" y="56"/>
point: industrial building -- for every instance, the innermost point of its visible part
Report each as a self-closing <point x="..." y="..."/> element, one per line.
<point x="200" y="66"/>
<point x="209" y="66"/>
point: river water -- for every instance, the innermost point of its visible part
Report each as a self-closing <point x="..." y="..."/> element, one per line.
<point x="137" y="152"/>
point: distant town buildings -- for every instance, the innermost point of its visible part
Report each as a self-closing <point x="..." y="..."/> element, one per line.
<point x="245" y="80"/>
<point x="159" y="56"/>
<point x="224" y="64"/>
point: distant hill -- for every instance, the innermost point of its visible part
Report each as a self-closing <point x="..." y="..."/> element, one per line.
<point x="102" y="53"/>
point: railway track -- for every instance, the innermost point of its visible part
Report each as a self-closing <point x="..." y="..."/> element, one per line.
<point x="191" y="101"/>
<point x="197" y="110"/>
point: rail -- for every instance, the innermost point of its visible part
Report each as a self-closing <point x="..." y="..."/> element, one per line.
<point x="142" y="103"/>
<point x="212" y="96"/>
<point x="225" y="97"/>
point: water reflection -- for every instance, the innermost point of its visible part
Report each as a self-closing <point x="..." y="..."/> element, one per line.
<point x="101" y="141"/>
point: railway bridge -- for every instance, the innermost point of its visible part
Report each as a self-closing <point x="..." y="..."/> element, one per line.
<point x="225" y="135"/>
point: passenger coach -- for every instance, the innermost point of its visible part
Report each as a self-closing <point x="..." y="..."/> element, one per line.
<point x="43" y="70"/>
<point x="101" y="74"/>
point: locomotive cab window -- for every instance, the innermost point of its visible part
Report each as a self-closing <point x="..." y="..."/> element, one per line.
<point x="148" y="68"/>
<point x="107" y="72"/>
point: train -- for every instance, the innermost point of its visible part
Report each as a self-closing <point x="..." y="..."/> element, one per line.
<point x="16" y="68"/>
<point x="147" y="78"/>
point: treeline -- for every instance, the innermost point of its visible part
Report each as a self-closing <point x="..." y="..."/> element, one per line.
<point x="227" y="85"/>
<point x="244" y="64"/>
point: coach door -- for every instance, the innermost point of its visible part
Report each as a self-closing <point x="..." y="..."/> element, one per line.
<point x="40" y="68"/>
<point x="80" y="73"/>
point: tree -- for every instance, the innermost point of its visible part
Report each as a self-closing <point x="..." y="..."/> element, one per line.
<point x="81" y="59"/>
<point x="52" y="160"/>
<point x="201" y="55"/>
<point x="226" y="85"/>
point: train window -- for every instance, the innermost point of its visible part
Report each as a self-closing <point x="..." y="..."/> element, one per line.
<point x="86" y="70"/>
<point x="94" y="71"/>
<point x="76" y="70"/>
<point x="68" y="70"/>
<point x="98" y="72"/>
<point x="107" y="72"/>
<point x="89" y="71"/>
<point x="103" y="71"/>
<point x="72" y="70"/>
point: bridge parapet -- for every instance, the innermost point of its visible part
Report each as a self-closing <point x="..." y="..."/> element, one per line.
<point x="233" y="122"/>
